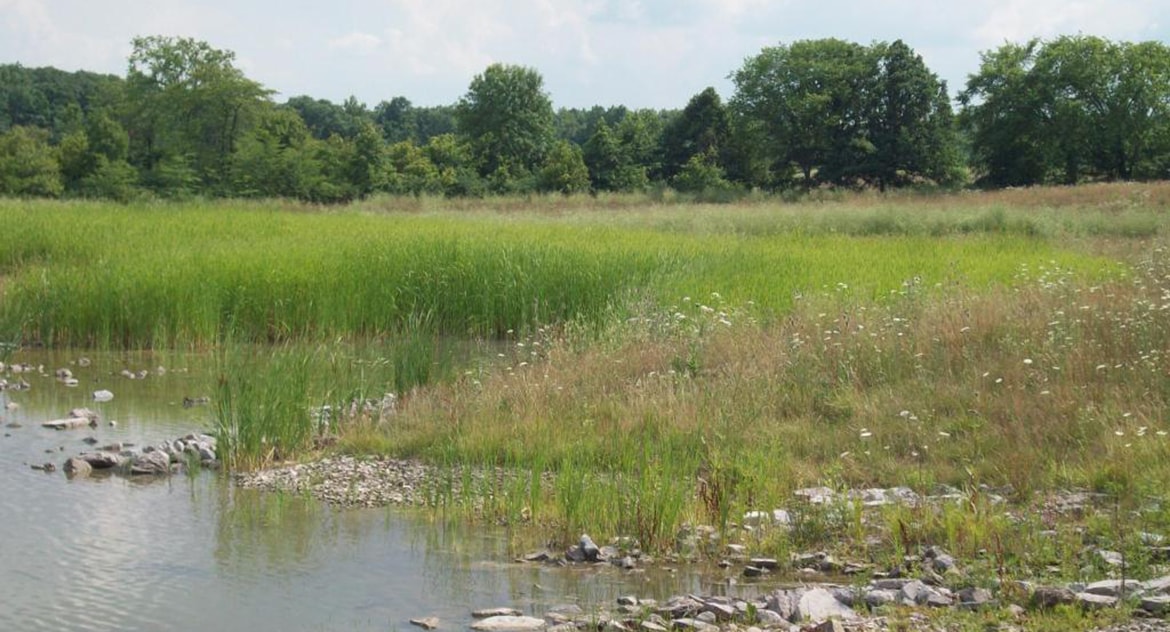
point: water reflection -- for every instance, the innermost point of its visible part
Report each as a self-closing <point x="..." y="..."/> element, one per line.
<point x="196" y="553"/>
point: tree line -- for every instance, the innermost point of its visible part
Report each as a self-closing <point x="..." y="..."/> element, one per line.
<point x="186" y="121"/>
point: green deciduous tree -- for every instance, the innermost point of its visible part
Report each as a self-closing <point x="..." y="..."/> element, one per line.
<point x="808" y="98"/>
<point x="1004" y="116"/>
<point x="508" y="120"/>
<point x="703" y="127"/>
<point x="909" y="122"/>
<point x="28" y="164"/>
<point x="564" y="170"/>
<point x="1069" y="109"/>
<point x="188" y="103"/>
<point x="612" y="163"/>
<point x="843" y="114"/>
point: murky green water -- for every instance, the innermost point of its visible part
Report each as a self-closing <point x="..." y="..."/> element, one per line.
<point x="196" y="553"/>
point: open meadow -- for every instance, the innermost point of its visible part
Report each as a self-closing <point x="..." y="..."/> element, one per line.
<point x="639" y="366"/>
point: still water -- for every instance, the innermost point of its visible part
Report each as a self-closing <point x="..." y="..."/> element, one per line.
<point x="192" y="552"/>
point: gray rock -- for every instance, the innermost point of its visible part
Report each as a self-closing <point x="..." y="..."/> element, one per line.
<point x="879" y="597"/>
<point x="764" y="562"/>
<point x="509" y="623"/>
<point x="845" y="596"/>
<point x="783" y="602"/>
<point x="101" y="460"/>
<point x="680" y="606"/>
<point x="1112" y="558"/>
<point x="650" y="626"/>
<point x="914" y="593"/>
<point x="754" y="571"/>
<point x="832" y="625"/>
<point x="972" y="598"/>
<point x="816" y="495"/>
<point x="575" y="554"/>
<point x="1115" y="587"/>
<point x="627" y="600"/>
<point x="686" y="623"/>
<point x="1156" y="604"/>
<point x="1159" y="585"/>
<point x="1090" y="601"/>
<point x="891" y="583"/>
<point x="426" y="623"/>
<point x="588" y="548"/>
<point x="102" y="396"/>
<point x="151" y="463"/>
<point x="819" y="604"/>
<point x="77" y="468"/>
<point x="721" y="611"/>
<point x="769" y="618"/>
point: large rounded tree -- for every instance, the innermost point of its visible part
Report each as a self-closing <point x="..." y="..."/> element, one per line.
<point x="508" y="119"/>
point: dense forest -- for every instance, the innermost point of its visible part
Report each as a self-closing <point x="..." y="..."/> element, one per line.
<point x="185" y="121"/>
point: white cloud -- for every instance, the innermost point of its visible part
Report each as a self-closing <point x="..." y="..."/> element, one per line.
<point x="1021" y="20"/>
<point x="357" y="42"/>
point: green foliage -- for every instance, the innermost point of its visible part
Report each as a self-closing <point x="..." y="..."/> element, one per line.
<point x="808" y="99"/>
<point x="909" y="122"/>
<point x="187" y="99"/>
<point x="1073" y="108"/>
<point x="28" y="165"/>
<point x="703" y="127"/>
<point x="844" y="114"/>
<point x="508" y="119"/>
<point x="564" y="170"/>
<point x="612" y="161"/>
<point x="110" y="180"/>
<point x="52" y="99"/>
<point x="701" y="174"/>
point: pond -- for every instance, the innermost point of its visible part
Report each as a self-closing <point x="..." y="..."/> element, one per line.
<point x="194" y="552"/>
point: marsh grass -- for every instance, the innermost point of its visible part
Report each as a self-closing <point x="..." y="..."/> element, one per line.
<point x="86" y="274"/>
<point x="698" y="412"/>
<point x="647" y="366"/>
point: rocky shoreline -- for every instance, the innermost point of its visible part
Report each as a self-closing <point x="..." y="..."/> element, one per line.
<point x="928" y="580"/>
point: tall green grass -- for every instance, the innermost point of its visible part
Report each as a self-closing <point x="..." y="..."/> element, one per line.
<point x="85" y="274"/>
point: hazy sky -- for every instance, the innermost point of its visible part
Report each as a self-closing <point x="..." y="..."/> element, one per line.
<point x="647" y="53"/>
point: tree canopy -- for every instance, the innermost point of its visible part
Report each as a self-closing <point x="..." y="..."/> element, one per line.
<point x="806" y="114"/>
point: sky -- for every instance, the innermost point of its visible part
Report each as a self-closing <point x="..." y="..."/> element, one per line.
<point x="637" y="53"/>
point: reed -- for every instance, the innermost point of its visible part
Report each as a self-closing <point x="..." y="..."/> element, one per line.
<point x="92" y="275"/>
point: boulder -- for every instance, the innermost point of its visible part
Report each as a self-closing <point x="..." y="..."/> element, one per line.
<point x="1052" y="596"/>
<point x="155" y="463"/>
<point x="1089" y="601"/>
<point x="819" y="604"/>
<point x="590" y="550"/>
<point x="77" y="468"/>
<point x="509" y="623"/>
<point x="1115" y="587"/>
<point x="102" y="396"/>
<point x="426" y="623"/>
<point x="1156" y="604"/>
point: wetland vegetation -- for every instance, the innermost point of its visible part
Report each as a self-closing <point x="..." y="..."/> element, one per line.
<point x="642" y="366"/>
